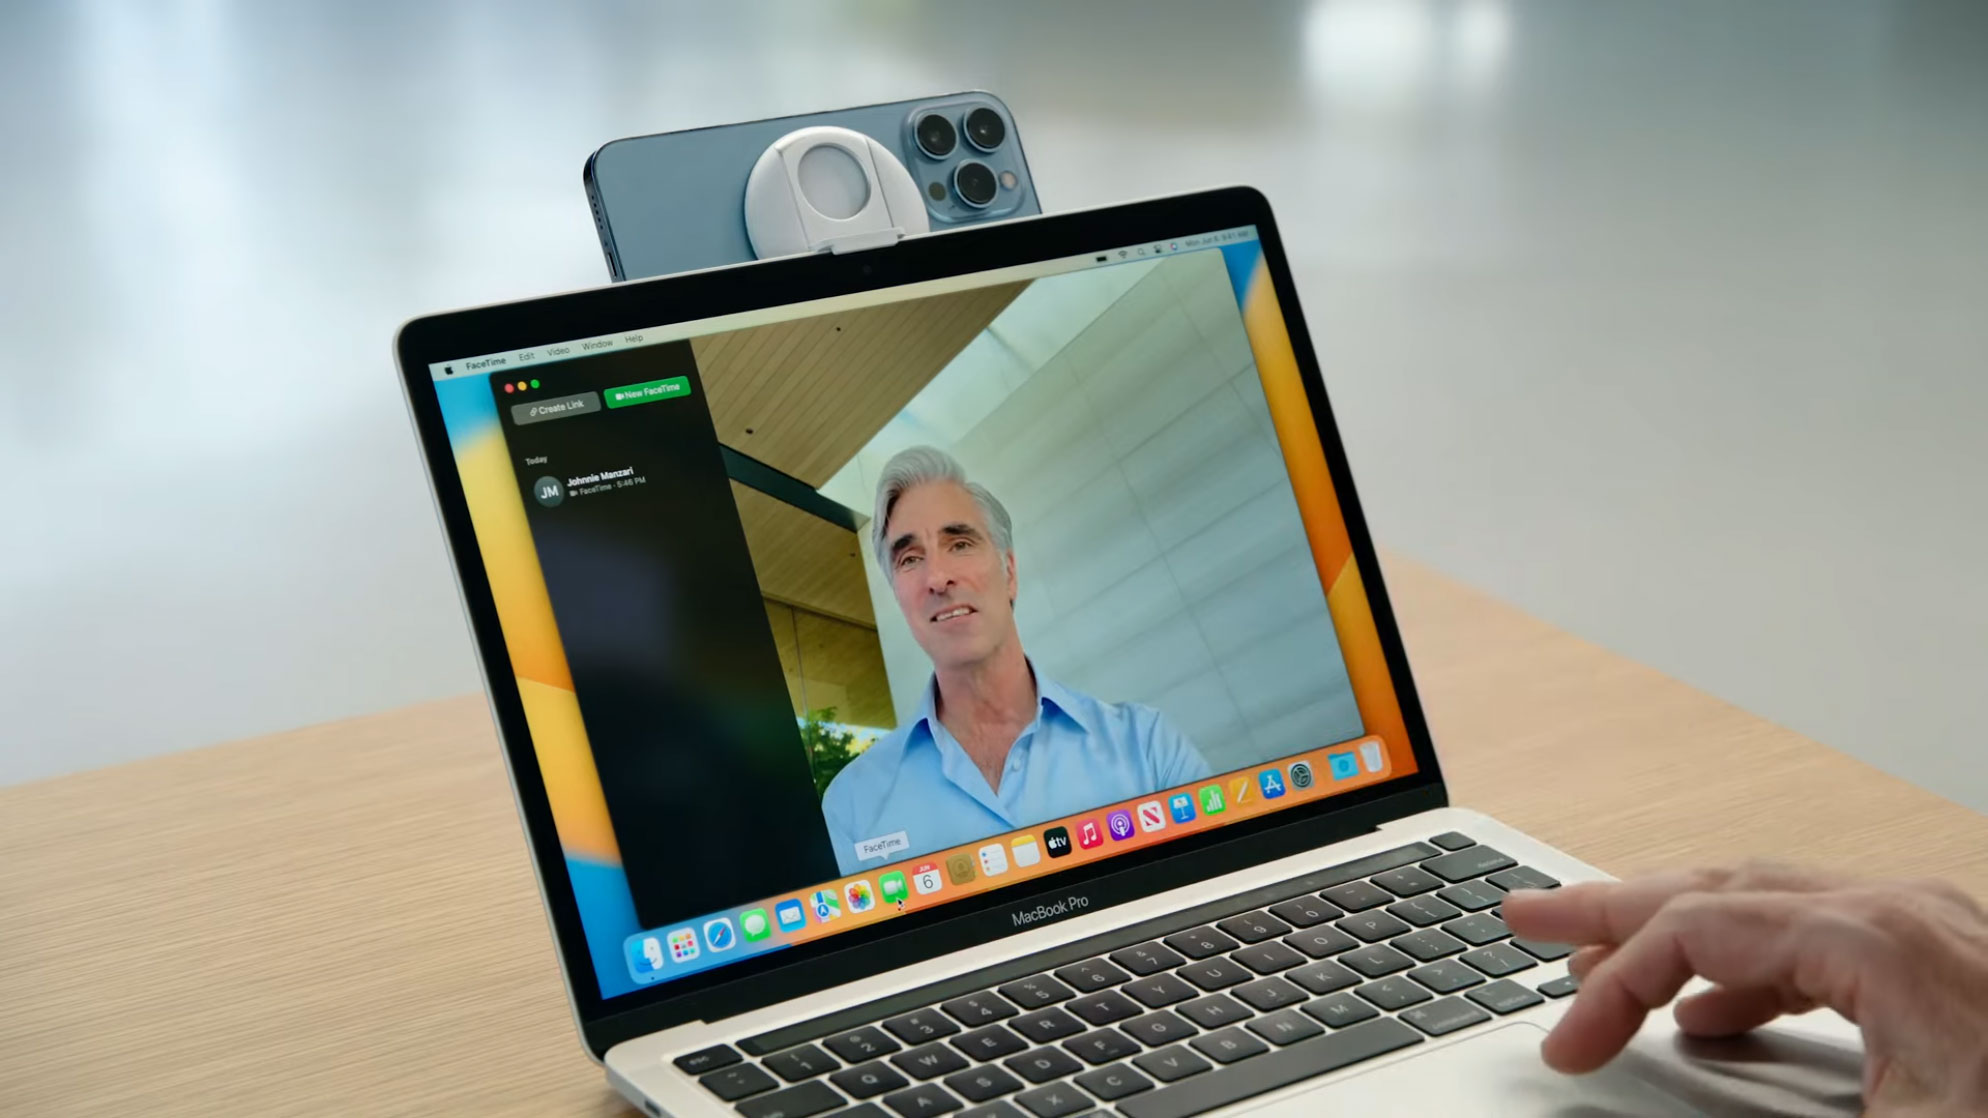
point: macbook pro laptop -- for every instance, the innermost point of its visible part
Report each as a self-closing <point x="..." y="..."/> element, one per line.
<point x="956" y="678"/>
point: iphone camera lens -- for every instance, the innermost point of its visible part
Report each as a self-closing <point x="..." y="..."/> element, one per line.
<point x="985" y="128"/>
<point x="936" y="135"/>
<point x="975" y="184"/>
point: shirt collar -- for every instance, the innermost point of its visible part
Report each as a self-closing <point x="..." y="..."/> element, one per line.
<point x="1050" y="695"/>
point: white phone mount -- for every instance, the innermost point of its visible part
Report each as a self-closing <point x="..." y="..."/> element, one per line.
<point x="830" y="189"/>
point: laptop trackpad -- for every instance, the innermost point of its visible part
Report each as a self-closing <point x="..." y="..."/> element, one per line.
<point x="1496" y="1074"/>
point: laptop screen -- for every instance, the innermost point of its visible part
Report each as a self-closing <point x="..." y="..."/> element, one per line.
<point x="825" y="614"/>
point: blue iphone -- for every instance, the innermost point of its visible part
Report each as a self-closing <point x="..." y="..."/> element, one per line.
<point x="674" y="201"/>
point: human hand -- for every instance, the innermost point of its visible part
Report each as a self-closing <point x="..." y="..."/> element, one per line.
<point x="1907" y="961"/>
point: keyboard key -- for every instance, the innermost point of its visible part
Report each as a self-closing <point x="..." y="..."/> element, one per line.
<point x="1046" y="1026"/>
<point x="1393" y="993"/>
<point x="1148" y="958"/>
<point x="1213" y="1011"/>
<point x="1478" y="929"/>
<point x="868" y="1080"/>
<point x="1446" y="977"/>
<point x="1091" y="975"/>
<point x="1320" y="941"/>
<point x="708" y="1059"/>
<point x="979" y="1009"/>
<point x="1214" y="974"/>
<point x="1427" y="944"/>
<point x="1453" y="840"/>
<point x="1304" y="1060"/>
<point x="1340" y="1010"/>
<point x="1266" y="994"/>
<point x="1423" y="911"/>
<point x="1160" y="1027"/>
<point x="1523" y="877"/>
<point x="1560" y="987"/>
<point x="1054" y="1100"/>
<point x="1371" y="926"/>
<point x="1267" y="958"/>
<point x="1355" y="896"/>
<point x="1444" y="1016"/>
<point x="1114" y="1082"/>
<point x="999" y="1108"/>
<point x="1105" y="1007"/>
<point x="989" y="1042"/>
<point x="738" y="1081"/>
<point x="1473" y="896"/>
<point x="983" y="1083"/>
<point x="1471" y="861"/>
<point x="794" y="1102"/>
<point x="1159" y="990"/>
<point x="1303" y="912"/>
<point x="1169" y="1064"/>
<point x="1408" y="881"/>
<point x="1505" y="996"/>
<point x="1101" y="1046"/>
<point x="1033" y="992"/>
<point x="1199" y="943"/>
<point x="926" y="1098"/>
<point x="1253" y="927"/>
<point x="1285" y="1027"/>
<point x="1228" y="1046"/>
<point x="1323" y="978"/>
<point x="1498" y="960"/>
<point x="1376" y="960"/>
<point x="1538" y="950"/>
<point x="858" y="1045"/>
<point x="929" y="1061"/>
<point x="1043" y="1065"/>
<point x="921" y="1025"/>
<point x="796" y="1064"/>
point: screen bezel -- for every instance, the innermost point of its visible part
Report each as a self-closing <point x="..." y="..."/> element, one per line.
<point x="793" y="972"/>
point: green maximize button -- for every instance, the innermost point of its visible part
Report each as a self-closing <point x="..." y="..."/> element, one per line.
<point x="646" y="392"/>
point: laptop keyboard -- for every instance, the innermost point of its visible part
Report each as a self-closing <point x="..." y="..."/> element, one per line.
<point x="1178" y="1015"/>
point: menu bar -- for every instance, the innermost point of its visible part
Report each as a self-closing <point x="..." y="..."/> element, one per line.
<point x="511" y="360"/>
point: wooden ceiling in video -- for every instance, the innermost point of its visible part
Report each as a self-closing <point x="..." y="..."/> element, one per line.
<point x="803" y="560"/>
<point x="805" y="396"/>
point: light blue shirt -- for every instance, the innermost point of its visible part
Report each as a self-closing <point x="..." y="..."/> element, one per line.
<point x="1078" y="754"/>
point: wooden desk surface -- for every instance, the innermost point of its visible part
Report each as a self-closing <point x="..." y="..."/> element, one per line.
<point x="341" y="920"/>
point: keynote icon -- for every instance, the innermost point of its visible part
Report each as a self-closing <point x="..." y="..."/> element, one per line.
<point x="1183" y="807"/>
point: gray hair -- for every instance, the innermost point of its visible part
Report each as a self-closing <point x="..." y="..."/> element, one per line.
<point x="922" y="465"/>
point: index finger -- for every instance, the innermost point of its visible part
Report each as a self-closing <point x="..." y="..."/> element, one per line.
<point x="1612" y="911"/>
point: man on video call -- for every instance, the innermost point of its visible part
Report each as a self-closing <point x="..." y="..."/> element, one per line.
<point x="995" y="744"/>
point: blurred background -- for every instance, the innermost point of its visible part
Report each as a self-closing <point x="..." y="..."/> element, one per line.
<point x="1662" y="321"/>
